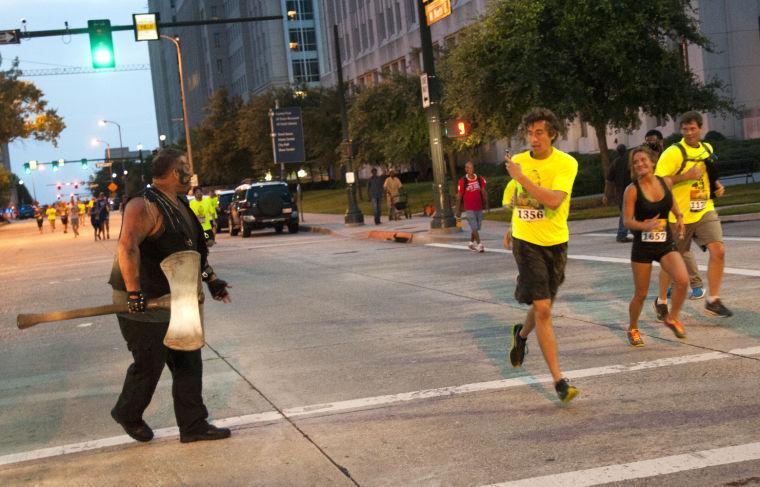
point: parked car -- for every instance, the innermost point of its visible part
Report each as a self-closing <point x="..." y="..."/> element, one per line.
<point x="263" y="205"/>
<point x="223" y="208"/>
<point x="25" y="211"/>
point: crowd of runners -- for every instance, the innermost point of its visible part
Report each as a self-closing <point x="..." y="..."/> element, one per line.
<point x="75" y="214"/>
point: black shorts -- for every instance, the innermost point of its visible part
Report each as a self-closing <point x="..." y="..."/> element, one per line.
<point x="646" y="253"/>
<point x="39" y="222"/>
<point x="64" y="219"/>
<point x="541" y="270"/>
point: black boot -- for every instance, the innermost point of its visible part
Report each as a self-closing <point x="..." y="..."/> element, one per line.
<point x="206" y="433"/>
<point x="139" y="430"/>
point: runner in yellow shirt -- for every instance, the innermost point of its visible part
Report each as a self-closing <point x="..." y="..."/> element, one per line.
<point x="539" y="194"/>
<point x="201" y="210"/>
<point x="211" y="203"/>
<point x="691" y="167"/>
<point x="82" y="210"/>
<point x="51" y="213"/>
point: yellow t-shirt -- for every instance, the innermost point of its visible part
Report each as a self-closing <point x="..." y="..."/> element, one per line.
<point x="51" y="212"/>
<point x="201" y="211"/>
<point x="692" y="196"/>
<point x="80" y="208"/>
<point x="211" y="203"/>
<point x="530" y="220"/>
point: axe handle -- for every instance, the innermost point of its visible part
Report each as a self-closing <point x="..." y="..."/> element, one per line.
<point x="30" y="319"/>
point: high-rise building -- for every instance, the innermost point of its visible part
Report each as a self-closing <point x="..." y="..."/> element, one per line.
<point x="246" y="58"/>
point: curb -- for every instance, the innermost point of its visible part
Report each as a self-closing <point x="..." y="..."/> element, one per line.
<point x="315" y="229"/>
<point x="401" y="237"/>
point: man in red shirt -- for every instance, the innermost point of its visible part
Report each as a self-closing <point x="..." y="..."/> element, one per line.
<point x="472" y="192"/>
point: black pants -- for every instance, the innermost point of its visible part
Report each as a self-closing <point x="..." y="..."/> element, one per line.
<point x="145" y="341"/>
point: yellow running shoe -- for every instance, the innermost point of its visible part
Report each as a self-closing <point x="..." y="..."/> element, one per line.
<point x="634" y="338"/>
<point x="677" y="328"/>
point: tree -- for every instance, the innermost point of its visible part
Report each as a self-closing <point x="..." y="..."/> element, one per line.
<point x="220" y="158"/>
<point x="388" y="123"/>
<point x="24" y="112"/>
<point x="604" y="61"/>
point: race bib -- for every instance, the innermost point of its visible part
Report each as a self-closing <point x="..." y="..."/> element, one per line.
<point x="530" y="214"/>
<point x="698" y="197"/>
<point x="697" y="205"/>
<point x="658" y="234"/>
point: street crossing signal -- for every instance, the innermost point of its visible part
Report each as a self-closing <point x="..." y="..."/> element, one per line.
<point x="457" y="128"/>
<point x="84" y="163"/>
<point x="27" y="169"/>
<point x="101" y="44"/>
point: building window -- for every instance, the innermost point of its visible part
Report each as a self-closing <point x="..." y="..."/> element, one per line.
<point x="219" y="66"/>
<point x="411" y="12"/>
<point x="305" y="37"/>
<point x="213" y="11"/>
<point x="306" y="70"/>
<point x="304" y="9"/>
<point x="398" y="15"/>
<point x="217" y="40"/>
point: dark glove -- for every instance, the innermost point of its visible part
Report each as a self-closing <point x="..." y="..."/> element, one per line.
<point x="218" y="289"/>
<point x="136" y="302"/>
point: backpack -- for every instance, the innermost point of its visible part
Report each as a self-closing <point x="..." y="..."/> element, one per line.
<point x="710" y="166"/>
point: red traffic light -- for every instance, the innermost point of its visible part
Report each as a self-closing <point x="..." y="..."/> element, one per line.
<point x="58" y="186"/>
<point x="457" y="128"/>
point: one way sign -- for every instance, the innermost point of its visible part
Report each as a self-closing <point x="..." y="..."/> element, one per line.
<point x="10" y="36"/>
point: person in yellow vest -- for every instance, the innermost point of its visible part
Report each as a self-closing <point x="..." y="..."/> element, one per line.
<point x="51" y="213"/>
<point x="201" y="210"/>
<point x="539" y="192"/>
<point x="212" y="202"/>
<point x="82" y="210"/>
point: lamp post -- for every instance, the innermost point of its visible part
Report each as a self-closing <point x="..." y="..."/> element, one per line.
<point x="162" y="140"/>
<point x="175" y="41"/>
<point x="142" y="168"/>
<point x="103" y="123"/>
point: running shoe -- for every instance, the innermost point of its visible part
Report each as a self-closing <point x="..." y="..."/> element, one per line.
<point x="519" y="347"/>
<point x="660" y="311"/>
<point x="473" y="246"/>
<point x="697" y="293"/>
<point x="481" y="248"/>
<point x="565" y="391"/>
<point x="634" y="338"/>
<point x="677" y="328"/>
<point x="716" y="308"/>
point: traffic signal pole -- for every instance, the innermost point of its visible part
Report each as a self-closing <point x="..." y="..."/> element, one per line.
<point x="443" y="219"/>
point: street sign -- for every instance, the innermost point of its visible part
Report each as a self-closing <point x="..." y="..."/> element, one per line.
<point x="288" y="134"/>
<point x="146" y="26"/>
<point x="112" y="187"/>
<point x="10" y="36"/>
<point x="437" y="10"/>
<point x="103" y="164"/>
<point x="425" y="90"/>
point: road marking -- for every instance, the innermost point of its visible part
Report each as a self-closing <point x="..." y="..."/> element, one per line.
<point x="612" y="235"/>
<point x="84" y="325"/>
<point x="284" y="244"/>
<point x="370" y="402"/>
<point x="645" y="468"/>
<point x="596" y="258"/>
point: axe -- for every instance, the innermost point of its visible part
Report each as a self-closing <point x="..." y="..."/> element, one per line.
<point x="185" y="332"/>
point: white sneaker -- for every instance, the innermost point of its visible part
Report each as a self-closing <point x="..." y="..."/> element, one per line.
<point x="481" y="248"/>
<point x="472" y="246"/>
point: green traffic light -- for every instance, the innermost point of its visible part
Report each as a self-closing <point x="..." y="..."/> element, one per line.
<point x="84" y="163"/>
<point x="101" y="44"/>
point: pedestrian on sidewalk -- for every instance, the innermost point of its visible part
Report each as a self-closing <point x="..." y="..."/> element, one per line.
<point x="541" y="185"/>
<point x="618" y="179"/>
<point x="472" y="196"/>
<point x="691" y="165"/>
<point x="647" y="201"/>
<point x="375" y="190"/>
<point x="392" y="187"/>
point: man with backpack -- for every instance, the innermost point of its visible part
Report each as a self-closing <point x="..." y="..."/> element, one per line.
<point x="690" y="164"/>
<point x="471" y="193"/>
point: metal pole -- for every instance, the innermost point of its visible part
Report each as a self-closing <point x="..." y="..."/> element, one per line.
<point x="34" y="187"/>
<point x="184" y="104"/>
<point x="354" y="215"/>
<point x="273" y="136"/>
<point x="443" y="219"/>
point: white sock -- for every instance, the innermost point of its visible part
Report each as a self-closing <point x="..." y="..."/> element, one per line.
<point x="711" y="299"/>
<point x="661" y="301"/>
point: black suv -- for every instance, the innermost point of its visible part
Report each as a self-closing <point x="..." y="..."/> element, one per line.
<point x="224" y="198"/>
<point x="260" y="205"/>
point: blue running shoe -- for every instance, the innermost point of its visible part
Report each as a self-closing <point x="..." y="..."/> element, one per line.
<point x="697" y="293"/>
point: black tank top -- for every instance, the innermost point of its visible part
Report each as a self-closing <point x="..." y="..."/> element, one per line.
<point x="645" y="209"/>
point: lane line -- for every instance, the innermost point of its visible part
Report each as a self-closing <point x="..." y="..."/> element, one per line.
<point x="266" y="246"/>
<point x="390" y="399"/>
<point x="596" y="258"/>
<point x="612" y="235"/>
<point x="645" y="468"/>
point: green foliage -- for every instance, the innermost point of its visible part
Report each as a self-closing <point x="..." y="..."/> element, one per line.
<point x="601" y="60"/>
<point x="218" y="156"/>
<point x="24" y="112"/>
<point x="388" y="124"/>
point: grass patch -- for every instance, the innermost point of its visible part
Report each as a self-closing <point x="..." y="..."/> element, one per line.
<point x="740" y="210"/>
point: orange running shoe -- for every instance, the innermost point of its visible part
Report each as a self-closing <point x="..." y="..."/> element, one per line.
<point x="634" y="338"/>
<point x="677" y="328"/>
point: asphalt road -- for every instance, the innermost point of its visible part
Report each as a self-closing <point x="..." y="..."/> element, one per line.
<point x="350" y="361"/>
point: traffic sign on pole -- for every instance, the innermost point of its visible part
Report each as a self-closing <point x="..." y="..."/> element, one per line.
<point x="10" y="36"/>
<point x="146" y="26"/>
<point x="288" y="133"/>
<point x="437" y="10"/>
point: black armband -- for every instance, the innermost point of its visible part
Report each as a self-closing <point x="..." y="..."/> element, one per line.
<point x="136" y="301"/>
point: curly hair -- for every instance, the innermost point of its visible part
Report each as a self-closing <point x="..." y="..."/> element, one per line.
<point x="538" y="114"/>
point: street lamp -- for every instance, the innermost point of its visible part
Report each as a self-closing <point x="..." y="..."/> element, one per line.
<point x="103" y="123"/>
<point x="96" y="141"/>
<point x="175" y="41"/>
<point x="162" y="140"/>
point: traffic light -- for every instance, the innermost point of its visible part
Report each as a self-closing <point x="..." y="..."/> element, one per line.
<point x="457" y="128"/>
<point x="76" y="185"/>
<point x="101" y="44"/>
<point x="27" y="169"/>
<point x="55" y="165"/>
<point x="84" y="163"/>
<point x="58" y="186"/>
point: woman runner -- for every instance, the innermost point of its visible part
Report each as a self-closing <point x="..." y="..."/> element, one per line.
<point x="646" y="203"/>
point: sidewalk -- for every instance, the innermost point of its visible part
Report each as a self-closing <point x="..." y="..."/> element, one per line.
<point x="417" y="229"/>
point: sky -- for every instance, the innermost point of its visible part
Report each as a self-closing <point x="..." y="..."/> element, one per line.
<point x="83" y="99"/>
